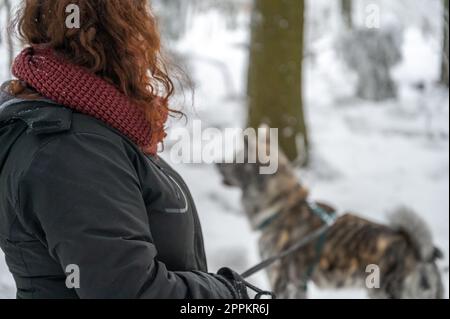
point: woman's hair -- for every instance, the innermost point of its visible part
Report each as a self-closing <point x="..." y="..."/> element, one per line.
<point x="118" y="40"/>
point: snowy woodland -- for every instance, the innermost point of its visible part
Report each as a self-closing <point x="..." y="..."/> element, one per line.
<point x="371" y="108"/>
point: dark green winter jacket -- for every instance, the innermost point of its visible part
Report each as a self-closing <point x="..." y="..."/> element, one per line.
<point x="76" y="193"/>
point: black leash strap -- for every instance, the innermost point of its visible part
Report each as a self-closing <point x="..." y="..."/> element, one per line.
<point x="268" y="262"/>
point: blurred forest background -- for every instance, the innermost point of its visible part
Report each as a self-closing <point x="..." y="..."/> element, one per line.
<point x="358" y="89"/>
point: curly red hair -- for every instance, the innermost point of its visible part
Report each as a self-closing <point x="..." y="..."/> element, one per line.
<point x="118" y="40"/>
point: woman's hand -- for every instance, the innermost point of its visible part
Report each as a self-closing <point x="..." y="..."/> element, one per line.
<point x="241" y="286"/>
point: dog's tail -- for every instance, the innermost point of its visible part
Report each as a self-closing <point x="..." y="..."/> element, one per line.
<point x="407" y="221"/>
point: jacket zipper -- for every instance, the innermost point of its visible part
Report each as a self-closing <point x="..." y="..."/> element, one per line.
<point x="177" y="188"/>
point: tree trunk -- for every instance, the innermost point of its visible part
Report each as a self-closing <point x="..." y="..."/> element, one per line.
<point x="445" y="62"/>
<point x="347" y="13"/>
<point x="275" y="73"/>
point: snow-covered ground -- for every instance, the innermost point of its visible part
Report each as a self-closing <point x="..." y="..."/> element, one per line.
<point x="367" y="157"/>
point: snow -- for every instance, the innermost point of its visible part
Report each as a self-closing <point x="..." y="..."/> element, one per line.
<point x="367" y="157"/>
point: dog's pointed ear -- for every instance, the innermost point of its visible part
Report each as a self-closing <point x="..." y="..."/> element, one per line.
<point x="438" y="254"/>
<point x="248" y="153"/>
<point x="246" y="141"/>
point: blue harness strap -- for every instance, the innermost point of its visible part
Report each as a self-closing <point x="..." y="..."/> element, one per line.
<point x="329" y="219"/>
<point x="319" y="234"/>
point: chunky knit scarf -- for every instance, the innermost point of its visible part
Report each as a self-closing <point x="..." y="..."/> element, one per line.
<point x="77" y="88"/>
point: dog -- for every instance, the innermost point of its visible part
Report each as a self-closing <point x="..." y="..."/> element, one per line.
<point x="401" y="254"/>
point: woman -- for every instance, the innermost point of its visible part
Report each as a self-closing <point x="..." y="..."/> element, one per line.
<point x="82" y="190"/>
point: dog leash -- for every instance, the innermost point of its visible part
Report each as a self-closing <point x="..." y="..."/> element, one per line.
<point x="328" y="219"/>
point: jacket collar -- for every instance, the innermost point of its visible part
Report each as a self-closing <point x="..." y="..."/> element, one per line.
<point x="41" y="116"/>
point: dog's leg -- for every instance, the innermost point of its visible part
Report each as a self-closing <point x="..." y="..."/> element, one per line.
<point x="291" y="291"/>
<point x="288" y="281"/>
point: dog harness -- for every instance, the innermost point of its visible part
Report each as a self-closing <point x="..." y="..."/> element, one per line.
<point x="319" y="234"/>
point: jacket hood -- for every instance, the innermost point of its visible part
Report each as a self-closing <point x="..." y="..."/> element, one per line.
<point x="19" y="116"/>
<point x="7" y="136"/>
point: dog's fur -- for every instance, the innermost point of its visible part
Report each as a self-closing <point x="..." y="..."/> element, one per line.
<point x="403" y="250"/>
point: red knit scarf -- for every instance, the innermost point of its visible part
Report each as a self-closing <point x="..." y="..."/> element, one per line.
<point x="77" y="88"/>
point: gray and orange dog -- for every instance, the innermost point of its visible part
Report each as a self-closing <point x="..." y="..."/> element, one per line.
<point x="278" y="206"/>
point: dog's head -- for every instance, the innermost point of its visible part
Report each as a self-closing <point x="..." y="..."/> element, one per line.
<point x="260" y="187"/>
